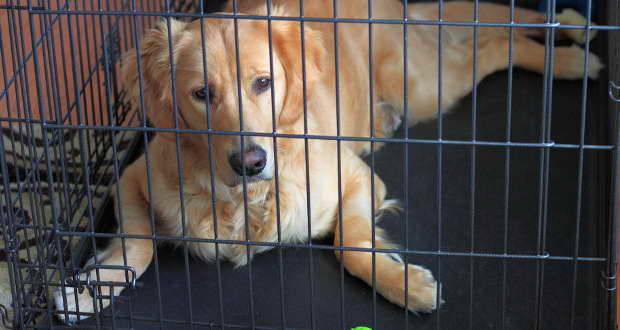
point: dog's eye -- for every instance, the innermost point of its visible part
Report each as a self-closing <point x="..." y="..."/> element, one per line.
<point x="262" y="84"/>
<point x="201" y="94"/>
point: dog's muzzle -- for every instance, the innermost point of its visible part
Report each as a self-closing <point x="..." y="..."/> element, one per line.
<point x="253" y="160"/>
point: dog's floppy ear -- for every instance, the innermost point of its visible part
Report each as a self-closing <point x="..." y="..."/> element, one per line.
<point x="152" y="82"/>
<point x="287" y="42"/>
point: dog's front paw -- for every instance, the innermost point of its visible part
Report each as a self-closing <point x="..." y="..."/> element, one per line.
<point x="72" y="302"/>
<point x="422" y="290"/>
<point x="595" y="65"/>
<point x="569" y="63"/>
<point x="572" y="17"/>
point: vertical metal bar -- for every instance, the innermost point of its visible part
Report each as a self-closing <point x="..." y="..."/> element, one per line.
<point x="186" y="243"/>
<point x="84" y="157"/>
<point x="61" y="157"/>
<point x="507" y="151"/>
<point x="439" y="150"/>
<point x="307" y="162"/>
<point x="211" y="167"/>
<point x="145" y="21"/>
<point x="68" y="118"/>
<point x="19" y="55"/>
<point x="275" y="148"/>
<point x="119" y="194"/>
<point x="544" y="163"/>
<point x="43" y="246"/>
<point x="66" y="72"/>
<point x="113" y="28"/>
<point x="371" y="88"/>
<point x="44" y="134"/>
<point x="406" y="154"/>
<point x="211" y="163"/>
<point x="45" y="56"/>
<point x="67" y="163"/>
<point x="612" y="230"/>
<point x="179" y="155"/>
<point x="98" y="75"/>
<point x="472" y="173"/>
<point x="180" y="168"/>
<point x="47" y="62"/>
<point x="62" y="152"/>
<point x="80" y="57"/>
<point x="339" y="160"/>
<point x="8" y="232"/>
<point x="147" y="160"/>
<point x="9" y="235"/>
<point x="126" y="38"/>
<point x="23" y="89"/>
<point x="244" y="177"/>
<point x="612" y="239"/>
<point x="582" y="134"/>
<point x="112" y="307"/>
<point x="9" y="108"/>
<point x="110" y="80"/>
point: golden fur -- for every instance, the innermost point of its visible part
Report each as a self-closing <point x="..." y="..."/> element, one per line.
<point x="198" y="169"/>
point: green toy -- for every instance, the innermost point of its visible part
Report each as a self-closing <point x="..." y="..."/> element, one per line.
<point x="361" y="328"/>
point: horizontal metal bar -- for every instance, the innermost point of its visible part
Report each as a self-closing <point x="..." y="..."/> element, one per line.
<point x="92" y="283"/>
<point x="325" y="20"/>
<point x="330" y="247"/>
<point x="319" y="137"/>
<point x="88" y="270"/>
<point x="140" y="318"/>
<point x="15" y="7"/>
<point x="21" y="265"/>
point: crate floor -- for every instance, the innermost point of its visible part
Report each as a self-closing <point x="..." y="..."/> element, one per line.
<point x="480" y="292"/>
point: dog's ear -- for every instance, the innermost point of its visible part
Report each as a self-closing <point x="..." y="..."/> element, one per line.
<point x="287" y="42"/>
<point x="151" y="81"/>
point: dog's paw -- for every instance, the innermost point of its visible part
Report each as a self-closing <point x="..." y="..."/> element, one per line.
<point x="569" y="63"/>
<point x="595" y="65"/>
<point x="72" y="302"/>
<point x="572" y="17"/>
<point x="423" y="290"/>
<point x="390" y="120"/>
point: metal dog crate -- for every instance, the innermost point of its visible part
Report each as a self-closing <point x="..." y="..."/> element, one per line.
<point x="526" y="242"/>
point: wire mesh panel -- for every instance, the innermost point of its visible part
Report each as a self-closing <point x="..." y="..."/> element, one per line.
<point x="59" y="72"/>
<point x="291" y="128"/>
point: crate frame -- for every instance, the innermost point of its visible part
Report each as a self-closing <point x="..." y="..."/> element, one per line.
<point x="10" y="227"/>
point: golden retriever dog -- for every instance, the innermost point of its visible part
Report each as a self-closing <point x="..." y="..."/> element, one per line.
<point x="261" y="94"/>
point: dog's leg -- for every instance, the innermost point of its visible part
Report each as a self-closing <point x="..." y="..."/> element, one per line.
<point x="387" y="119"/>
<point x="421" y="293"/>
<point x="463" y="11"/>
<point x="492" y="55"/>
<point x="138" y="252"/>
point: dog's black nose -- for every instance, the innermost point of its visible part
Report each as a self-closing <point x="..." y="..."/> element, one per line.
<point x="254" y="161"/>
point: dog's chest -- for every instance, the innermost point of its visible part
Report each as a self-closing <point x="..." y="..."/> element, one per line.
<point x="262" y="218"/>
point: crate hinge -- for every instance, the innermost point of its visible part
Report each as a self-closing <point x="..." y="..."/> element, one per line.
<point x="614" y="91"/>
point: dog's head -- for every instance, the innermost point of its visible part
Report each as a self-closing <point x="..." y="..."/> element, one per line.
<point x="221" y="96"/>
